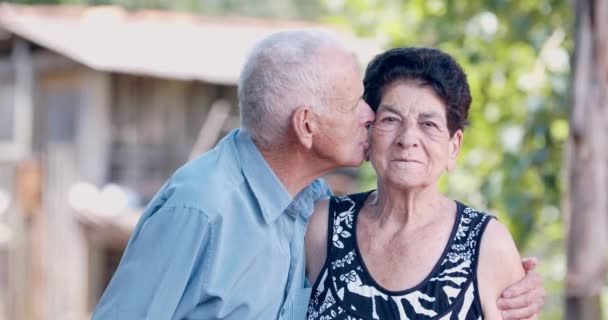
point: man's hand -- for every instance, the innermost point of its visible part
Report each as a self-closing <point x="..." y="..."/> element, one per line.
<point x="525" y="299"/>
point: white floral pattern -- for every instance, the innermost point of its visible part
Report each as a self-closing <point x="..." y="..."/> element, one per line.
<point x="346" y="260"/>
<point x="339" y="233"/>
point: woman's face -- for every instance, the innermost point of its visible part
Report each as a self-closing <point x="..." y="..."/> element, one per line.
<point x="410" y="144"/>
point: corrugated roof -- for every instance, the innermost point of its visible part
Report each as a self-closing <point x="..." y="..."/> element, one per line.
<point x="156" y="43"/>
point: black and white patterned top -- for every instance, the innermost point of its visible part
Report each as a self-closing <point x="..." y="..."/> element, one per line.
<point x="345" y="289"/>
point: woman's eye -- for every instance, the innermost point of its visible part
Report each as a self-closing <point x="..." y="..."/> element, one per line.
<point x="389" y="119"/>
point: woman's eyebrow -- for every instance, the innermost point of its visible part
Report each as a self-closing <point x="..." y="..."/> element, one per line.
<point x="429" y="115"/>
<point x="389" y="108"/>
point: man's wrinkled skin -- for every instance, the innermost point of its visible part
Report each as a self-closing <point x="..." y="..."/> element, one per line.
<point x="528" y="298"/>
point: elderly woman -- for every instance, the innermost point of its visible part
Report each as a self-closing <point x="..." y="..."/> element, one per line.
<point x="405" y="251"/>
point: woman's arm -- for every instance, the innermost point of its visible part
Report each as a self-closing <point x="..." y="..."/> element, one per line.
<point x="316" y="240"/>
<point x="499" y="266"/>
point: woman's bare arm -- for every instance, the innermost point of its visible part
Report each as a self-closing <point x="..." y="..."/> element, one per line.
<point x="316" y="240"/>
<point x="499" y="266"/>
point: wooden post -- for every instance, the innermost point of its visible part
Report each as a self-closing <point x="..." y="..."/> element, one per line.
<point x="66" y="244"/>
<point x="211" y="128"/>
<point x="93" y="149"/>
<point x="24" y="84"/>
<point x="29" y="195"/>
<point x="17" y="303"/>
<point x="25" y="263"/>
<point x="6" y="232"/>
<point x="61" y="97"/>
<point x="94" y="128"/>
<point x="588" y="164"/>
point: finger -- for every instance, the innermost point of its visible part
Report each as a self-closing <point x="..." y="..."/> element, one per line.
<point x="516" y="302"/>
<point x="529" y="264"/>
<point x="530" y="282"/>
<point x="536" y="297"/>
<point x="521" y="313"/>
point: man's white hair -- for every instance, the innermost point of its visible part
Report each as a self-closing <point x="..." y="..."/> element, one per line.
<point x="283" y="72"/>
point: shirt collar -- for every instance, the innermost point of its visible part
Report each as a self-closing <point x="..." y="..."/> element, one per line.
<point x="270" y="193"/>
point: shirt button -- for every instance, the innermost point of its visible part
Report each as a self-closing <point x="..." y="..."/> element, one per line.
<point x="283" y="311"/>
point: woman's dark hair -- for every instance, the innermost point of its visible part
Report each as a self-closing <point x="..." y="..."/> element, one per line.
<point x="431" y="67"/>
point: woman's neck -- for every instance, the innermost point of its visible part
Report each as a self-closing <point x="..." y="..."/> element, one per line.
<point x="402" y="208"/>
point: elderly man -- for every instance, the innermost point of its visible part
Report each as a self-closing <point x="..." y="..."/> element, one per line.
<point x="223" y="239"/>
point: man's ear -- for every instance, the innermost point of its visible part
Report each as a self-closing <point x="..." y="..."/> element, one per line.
<point x="304" y="123"/>
<point x="454" y="144"/>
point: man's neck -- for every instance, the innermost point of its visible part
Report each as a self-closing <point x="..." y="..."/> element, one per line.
<point x="293" y="167"/>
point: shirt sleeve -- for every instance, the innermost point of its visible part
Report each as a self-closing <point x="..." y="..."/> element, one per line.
<point x="324" y="190"/>
<point x="165" y="251"/>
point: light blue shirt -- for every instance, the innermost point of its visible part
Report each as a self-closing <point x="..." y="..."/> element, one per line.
<point x="222" y="239"/>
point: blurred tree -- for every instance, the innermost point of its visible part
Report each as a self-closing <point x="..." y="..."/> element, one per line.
<point x="588" y="165"/>
<point x="515" y="54"/>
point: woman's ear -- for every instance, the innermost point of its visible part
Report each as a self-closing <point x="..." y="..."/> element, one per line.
<point x="454" y="149"/>
<point x="304" y="124"/>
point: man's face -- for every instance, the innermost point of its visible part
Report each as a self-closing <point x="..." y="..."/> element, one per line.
<point x="342" y="138"/>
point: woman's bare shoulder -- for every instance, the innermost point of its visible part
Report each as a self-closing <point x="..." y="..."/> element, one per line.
<point x="497" y="240"/>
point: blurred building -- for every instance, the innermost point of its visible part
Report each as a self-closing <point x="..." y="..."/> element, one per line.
<point x="98" y="106"/>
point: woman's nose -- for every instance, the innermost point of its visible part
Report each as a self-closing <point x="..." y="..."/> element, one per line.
<point x="407" y="136"/>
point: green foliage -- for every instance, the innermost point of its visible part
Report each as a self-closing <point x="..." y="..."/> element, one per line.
<point x="516" y="56"/>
